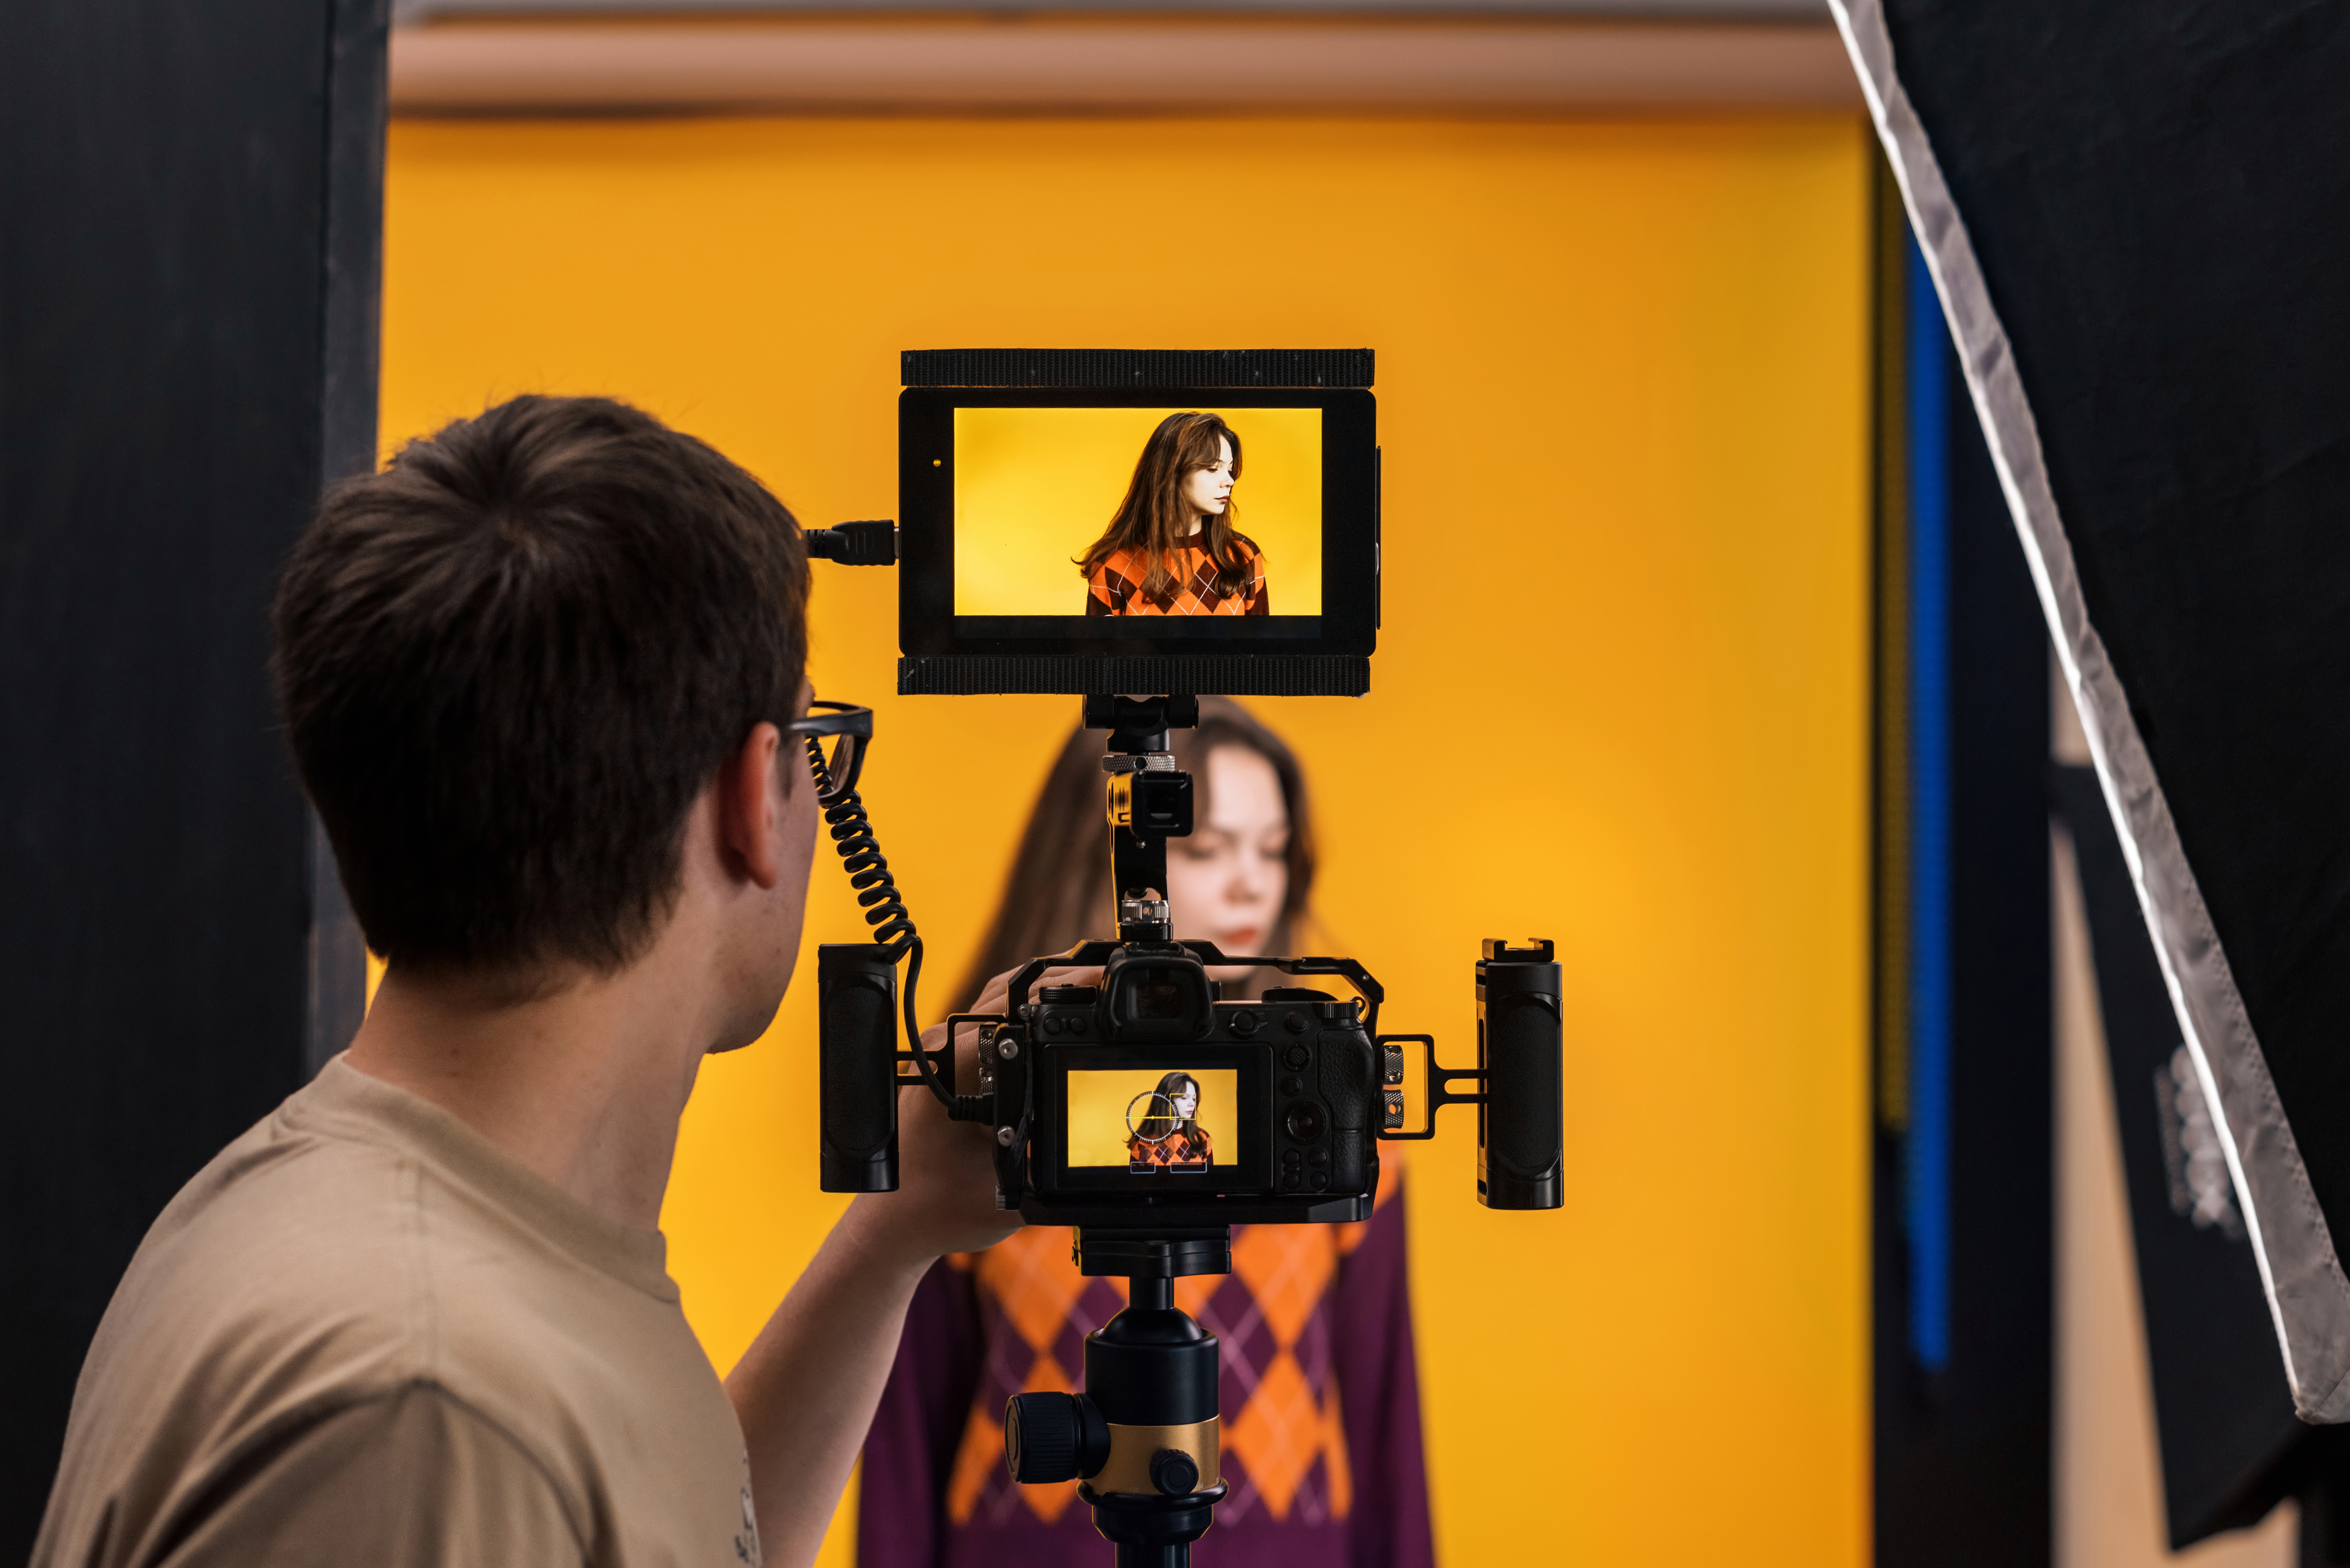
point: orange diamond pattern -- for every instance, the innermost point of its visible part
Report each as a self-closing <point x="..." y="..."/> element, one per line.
<point x="1279" y="1434"/>
<point x="1117" y="584"/>
<point x="1286" y="1280"/>
<point x="1032" y="1278"/>
<point x="971" y="1464"/>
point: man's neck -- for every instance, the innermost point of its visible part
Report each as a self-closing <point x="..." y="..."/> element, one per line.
<point x="584" y="1085"/>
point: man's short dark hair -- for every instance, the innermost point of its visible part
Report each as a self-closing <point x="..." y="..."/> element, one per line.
<point x="507" y="664"/>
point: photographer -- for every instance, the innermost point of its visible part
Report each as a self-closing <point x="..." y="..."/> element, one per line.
<point x="542" y="681"/>
<point x="1320" y="1394"/>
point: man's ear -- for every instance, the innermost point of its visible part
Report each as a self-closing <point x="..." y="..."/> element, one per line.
<point x="750" y="824"/>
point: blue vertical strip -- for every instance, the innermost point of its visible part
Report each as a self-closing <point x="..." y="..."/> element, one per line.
<point x="1927" y="1152"/>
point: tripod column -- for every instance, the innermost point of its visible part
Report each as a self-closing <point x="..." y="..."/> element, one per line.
<point x="1153" y="1373"/>
<point x="1144" y="1436"/>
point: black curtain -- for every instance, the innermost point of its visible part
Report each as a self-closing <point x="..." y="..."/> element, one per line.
<point x="2138" y="209"/>
<point x="190" y="220"/>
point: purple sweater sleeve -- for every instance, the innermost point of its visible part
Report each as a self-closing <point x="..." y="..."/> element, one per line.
<point x="909" y="1450"/>
<point x="1378" y="1379"/>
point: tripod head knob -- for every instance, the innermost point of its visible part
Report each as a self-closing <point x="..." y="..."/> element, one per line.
<point x="1174" y="1472"/>
<point x="1053" y="1438"/>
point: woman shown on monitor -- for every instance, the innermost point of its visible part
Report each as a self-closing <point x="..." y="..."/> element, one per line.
<point x="1172" y="549"/>
<point x="1167" y="1136"/>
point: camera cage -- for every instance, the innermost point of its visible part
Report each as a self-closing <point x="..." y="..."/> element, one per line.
<point x="1142" y="1441"/>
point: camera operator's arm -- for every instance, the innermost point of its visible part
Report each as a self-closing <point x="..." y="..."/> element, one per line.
<point x="806" y="1388"/>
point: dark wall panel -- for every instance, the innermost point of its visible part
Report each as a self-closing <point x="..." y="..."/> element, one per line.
<point x="165" y="225"/>
<point x="1963" y="1170"/>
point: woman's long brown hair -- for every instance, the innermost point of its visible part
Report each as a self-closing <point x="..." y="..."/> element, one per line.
<point x="1154" y="519"/>
<point x="1157" y="1125"/>
<point x="1059" y="892"/>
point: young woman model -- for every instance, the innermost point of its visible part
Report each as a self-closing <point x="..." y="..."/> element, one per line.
<point x="1320" y="1391"/>
<point x="1164" y="1136"/>
<point x="1172" y="549"/>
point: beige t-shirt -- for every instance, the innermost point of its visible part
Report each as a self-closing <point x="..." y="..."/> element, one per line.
<point x="365" y="1334"/>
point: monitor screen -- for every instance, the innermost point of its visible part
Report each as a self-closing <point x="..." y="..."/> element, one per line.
<point x="1156" y="537"/>
<point x="1199" y="511"/>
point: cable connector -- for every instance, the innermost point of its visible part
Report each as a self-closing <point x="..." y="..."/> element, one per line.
<point x="873" y="544"/>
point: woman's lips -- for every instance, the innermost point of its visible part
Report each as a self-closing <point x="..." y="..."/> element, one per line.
<point x="1241" y="942"/>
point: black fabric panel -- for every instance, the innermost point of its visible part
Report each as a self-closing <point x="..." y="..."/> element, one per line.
<point x="2222" y="1410"/>
<point x="1175" y="369"/>
<point x="1963" y="1456"/>
<point x="1200" y="674"/>
<point x="2159" y="199"/>
<point x="162" y="237"/>
<point x="358" y="110"/>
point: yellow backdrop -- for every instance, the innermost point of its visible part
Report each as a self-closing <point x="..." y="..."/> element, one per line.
<point x="1035" y="487"/>
<point x="1619" y="699"/>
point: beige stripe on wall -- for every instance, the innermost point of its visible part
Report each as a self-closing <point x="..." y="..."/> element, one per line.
<point x="1062" y="64"/>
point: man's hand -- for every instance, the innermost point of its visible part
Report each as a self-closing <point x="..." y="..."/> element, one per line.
<point x="945" y="1201"/>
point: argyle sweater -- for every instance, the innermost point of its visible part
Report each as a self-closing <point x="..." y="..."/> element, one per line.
<point x="1178" y="1150"/>
<point x="1320" y="1401"/>
<point x="1116" y="585"/>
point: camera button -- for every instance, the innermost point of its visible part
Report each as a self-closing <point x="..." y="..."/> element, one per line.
<point x="1320" y="1156"/>
<point x="1291" y="1182"/>
<point x="1296" y="1024"/>
<point x="1244" y="1023"/>
<point x="1304" y="1121"/>
<point x="1296" y="1057"/>
<point x="1321" y="1182"/>
<point x="1053" y="1025"/>
<point x="1291" y="1088"/>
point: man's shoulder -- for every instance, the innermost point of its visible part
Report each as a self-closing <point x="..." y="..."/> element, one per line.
<point x="351" y="1252"/>
<point x="294" y="1261"/>
<point x="335" y="1244"/>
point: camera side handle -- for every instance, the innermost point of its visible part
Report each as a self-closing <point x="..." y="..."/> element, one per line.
<point x="857" y="1089"/>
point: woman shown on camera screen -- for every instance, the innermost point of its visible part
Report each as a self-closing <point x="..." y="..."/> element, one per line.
<point x="1320" y="1399"/>
<point x="1168" y="1136"/>
<point x="1172" y="548"/>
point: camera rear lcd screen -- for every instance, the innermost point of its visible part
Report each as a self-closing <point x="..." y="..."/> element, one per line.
<point x="1149" y="1122"/>
<point x="1195" y="512"/>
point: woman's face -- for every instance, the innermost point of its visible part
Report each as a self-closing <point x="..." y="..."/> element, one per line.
<point x="1186" y="1101"/>
<point x="1208" y="491"/>
<point x="1229" y="878"/>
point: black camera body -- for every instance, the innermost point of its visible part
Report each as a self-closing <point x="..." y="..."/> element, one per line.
<point x="1293" y="1078"/>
